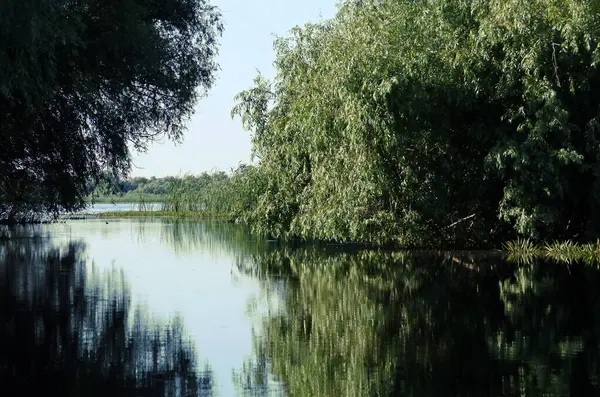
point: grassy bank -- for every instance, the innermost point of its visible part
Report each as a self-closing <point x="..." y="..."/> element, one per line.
<point x="128" y="199"/>
<point x="172" y="214"/>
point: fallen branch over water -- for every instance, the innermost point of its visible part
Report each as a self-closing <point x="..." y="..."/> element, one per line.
<point x="466" y="218"/>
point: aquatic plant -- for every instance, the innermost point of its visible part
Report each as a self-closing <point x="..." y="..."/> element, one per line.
<point x="524" y="251"/>
<point x="521" y="246"/>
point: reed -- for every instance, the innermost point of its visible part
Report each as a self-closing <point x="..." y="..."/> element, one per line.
<point x="521" y="247"/>
<point x="128" y="198"/>
<point x="567" y="252"/>
<point x="163" y="213"/>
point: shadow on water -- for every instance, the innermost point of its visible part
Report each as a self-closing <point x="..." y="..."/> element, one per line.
<point x="438" y="324"/>
<point x="68" y="330"/>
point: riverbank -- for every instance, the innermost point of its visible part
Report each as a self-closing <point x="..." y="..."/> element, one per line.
<point x="519" y="250"/>
<point x="128" y="199"/>
<point x="160" y="213"/>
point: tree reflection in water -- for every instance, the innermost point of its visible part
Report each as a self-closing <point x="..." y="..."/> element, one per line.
<point x="67" y="330"/>
<point x="396" y="324"/>
<point x="360" y="323"/>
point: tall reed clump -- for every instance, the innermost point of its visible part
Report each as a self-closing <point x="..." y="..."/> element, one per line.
<point x="183" y="195"/>
<point x="521" y="246"/>
<point x="234" y="195"/>
<point x="521" y="250"/>
<point x="569" y="252"/>
<point x="240" y="195"/>
<point x="142" y="204"/>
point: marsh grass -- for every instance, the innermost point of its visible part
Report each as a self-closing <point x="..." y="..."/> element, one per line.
<point x="521" y="251"/>
<point x="183" y="196"/>
<point x="163" y="213"/>
<point x="143" y="205"/>
<point x="521" y="246"/>
<point x="216" y="193"/>
<point x="128" y="199"/>
<point x="568" y="252"/>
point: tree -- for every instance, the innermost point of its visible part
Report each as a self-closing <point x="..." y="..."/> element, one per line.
<point x="82" y="81"/>
<point x="432" y="122"/>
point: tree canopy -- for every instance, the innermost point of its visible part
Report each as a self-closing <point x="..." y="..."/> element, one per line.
<point x="83" y="81"/>
<point x="428" y="122"/>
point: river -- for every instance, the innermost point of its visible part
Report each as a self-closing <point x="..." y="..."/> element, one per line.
<point x="151" y="307"/>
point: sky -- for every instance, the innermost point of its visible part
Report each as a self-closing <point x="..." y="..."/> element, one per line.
<point x="213" y="140"/>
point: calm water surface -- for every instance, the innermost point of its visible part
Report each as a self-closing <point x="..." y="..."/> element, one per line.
<point x="177" y="308"/>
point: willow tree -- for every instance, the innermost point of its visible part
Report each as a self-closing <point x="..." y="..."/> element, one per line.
<point x="417" y="123"/>
<point x="81" y="82"/>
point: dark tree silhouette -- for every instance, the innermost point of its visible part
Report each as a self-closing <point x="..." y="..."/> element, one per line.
<point x="81" y="81"/>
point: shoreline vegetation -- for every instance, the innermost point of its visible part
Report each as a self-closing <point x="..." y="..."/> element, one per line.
<point x="145" y="214"/>
<point x="395" y="123"/>
<point x="222" y="197"/>
<point x="210" y="196"/>
<point x="521" y="251"/>
<point x="126" y="199"/>
<point x="525" y="250"/>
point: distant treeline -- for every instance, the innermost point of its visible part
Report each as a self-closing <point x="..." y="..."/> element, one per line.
<point x="132" y="188"/>
<point x="234" y="195"/>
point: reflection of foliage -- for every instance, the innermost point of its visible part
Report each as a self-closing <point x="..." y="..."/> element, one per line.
<point x="382" y="323"/>
<point x="551" y="329"/>
<point x="255" y="379"/>
<point x="215" y="237"/>
<point x="70" y="331"/>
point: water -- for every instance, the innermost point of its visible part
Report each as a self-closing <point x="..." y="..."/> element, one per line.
<point x="109" y="207"/>
<point x="151" y="307"/>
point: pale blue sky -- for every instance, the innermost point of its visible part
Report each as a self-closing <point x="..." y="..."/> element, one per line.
<point x="213" y="139"/>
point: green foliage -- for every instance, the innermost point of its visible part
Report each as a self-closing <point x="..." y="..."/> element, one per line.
<point x="111" y="188"/>
<point x="83" y="81"/>
<point x="569" y="252"/>
<point x="427" y="123"/>
<point x="565" y="252"/>
<point x="233" y="195"/>
<point x="521" y="250"/>
<point x="195" y="193"/>
<point x="132" y="197"/>
<point x="158" y="213"/>
<point x="520" y="245"/>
